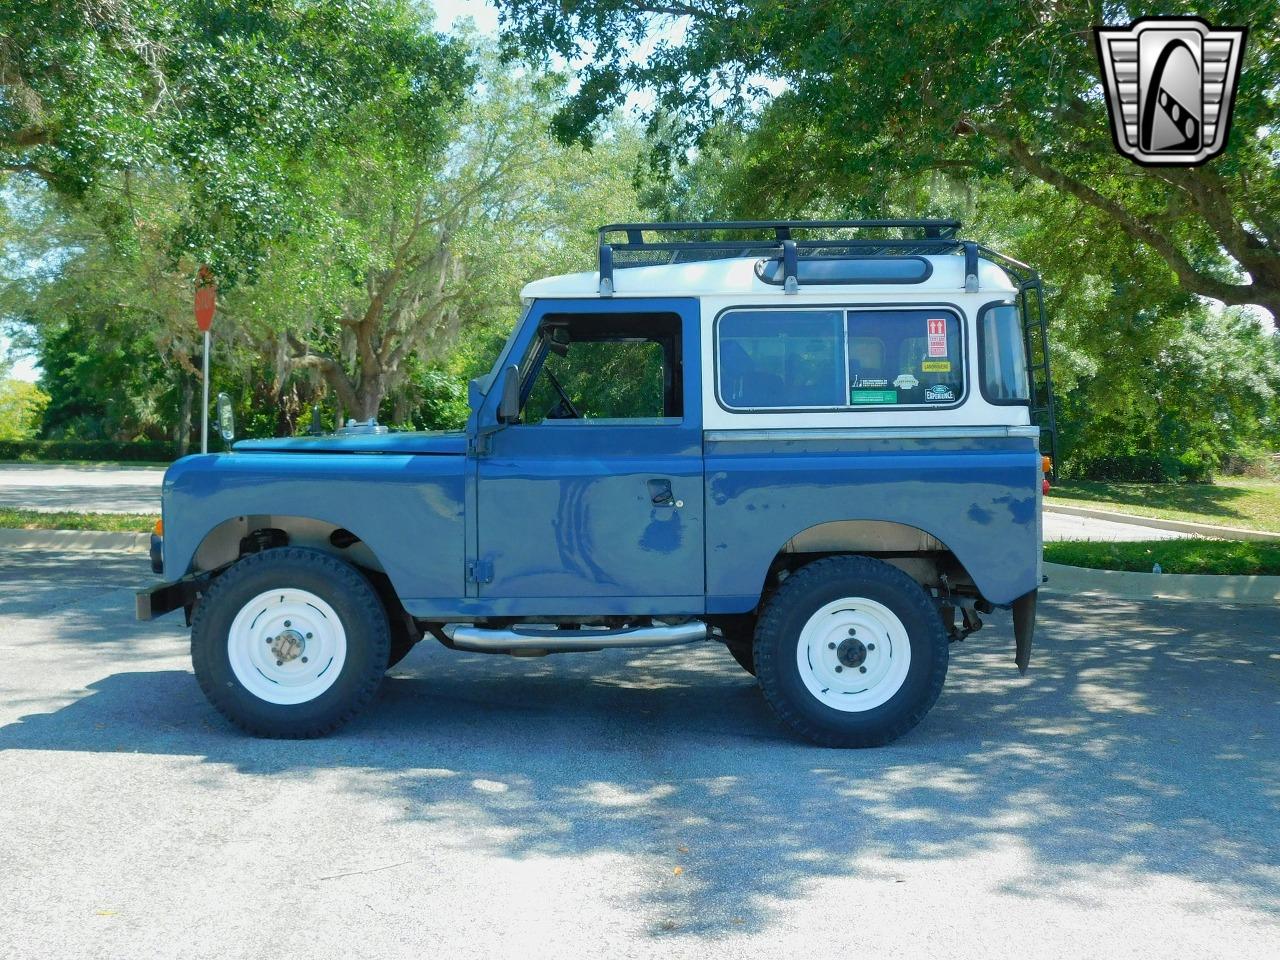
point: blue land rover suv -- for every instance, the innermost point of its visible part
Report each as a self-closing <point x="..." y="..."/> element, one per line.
<point x="821" y="444"/>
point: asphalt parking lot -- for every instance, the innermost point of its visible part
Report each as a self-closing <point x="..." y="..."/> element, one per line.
<point x="1122" y="800"/>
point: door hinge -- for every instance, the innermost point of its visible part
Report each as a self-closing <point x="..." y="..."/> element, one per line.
<point x="479" y="571"/>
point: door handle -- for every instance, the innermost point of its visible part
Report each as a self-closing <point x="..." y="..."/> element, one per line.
<point x="660" y="494"/>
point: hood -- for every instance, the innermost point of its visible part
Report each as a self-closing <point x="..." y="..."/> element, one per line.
<point x="438" y="442"/>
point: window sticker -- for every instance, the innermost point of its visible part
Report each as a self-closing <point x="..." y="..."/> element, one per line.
<point x="939" y="393"/>
<point x="936" y="366"/>
<point x="873" y="396"/>
<point x="906" y="382"/>
<point x="874" y="384"/>
<point x="937" y="330"/>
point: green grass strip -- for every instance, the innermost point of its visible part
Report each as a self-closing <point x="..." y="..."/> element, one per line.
<point x="1251" y="557"/>
<point x="68" y="520"/>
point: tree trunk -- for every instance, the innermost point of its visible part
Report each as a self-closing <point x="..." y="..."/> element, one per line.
<point x="182" y="433"/>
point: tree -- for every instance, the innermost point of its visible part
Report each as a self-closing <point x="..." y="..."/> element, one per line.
<point x="237" y="100"/>
<point x="871" y="92"/>
<point x="21" y="405"/>
<point x="431" y="250"/>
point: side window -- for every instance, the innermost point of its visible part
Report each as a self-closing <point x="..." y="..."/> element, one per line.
<point x="781" y="358"/>
<point x="917" y="359"/>
<point x="1004" y="357"/>
<point x="841" y="359"/>
<point x="605" y="367"/>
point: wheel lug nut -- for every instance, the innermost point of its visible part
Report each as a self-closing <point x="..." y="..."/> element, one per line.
<point x="862" y="669"/>
<point x="279" y="663"/>
<point x="304" y="659"/>
<point x="852" y="632"/>
<point x="870" y="646"/>
<point x="839" y="669"/>
<point x="308" y="636"/>
<point x="831" y="646"/>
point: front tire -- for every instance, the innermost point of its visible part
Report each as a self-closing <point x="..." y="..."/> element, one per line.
<point x="290" y="643"/>
<point x="850" y="652"/>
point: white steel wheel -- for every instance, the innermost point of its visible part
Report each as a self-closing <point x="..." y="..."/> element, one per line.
<point x="853" y="654"/>
<point x="287" y="646"/>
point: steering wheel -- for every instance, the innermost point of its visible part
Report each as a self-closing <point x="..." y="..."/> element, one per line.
<point x="564" y="410"/>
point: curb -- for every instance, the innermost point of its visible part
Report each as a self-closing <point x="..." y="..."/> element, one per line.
<point x="86" y="540"/>
<point x="1124" y="585"/>
<point x="1159" y="523"/>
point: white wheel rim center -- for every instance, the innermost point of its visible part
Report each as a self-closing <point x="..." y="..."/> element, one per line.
<point x="287" y="646"/>
<point x="853" y="654"/>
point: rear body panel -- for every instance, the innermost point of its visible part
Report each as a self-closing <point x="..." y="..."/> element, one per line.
<point x="975" y="494"/>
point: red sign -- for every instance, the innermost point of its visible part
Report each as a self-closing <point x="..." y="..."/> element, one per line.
<point x="937" y="330"/>
<point x="206" y="296"/>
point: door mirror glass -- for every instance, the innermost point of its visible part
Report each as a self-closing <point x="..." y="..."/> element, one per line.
<point x="226" y="419"/>
<point x="509" y="405"/>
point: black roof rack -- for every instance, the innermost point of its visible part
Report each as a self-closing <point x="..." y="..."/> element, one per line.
<point x="623" y="245"/>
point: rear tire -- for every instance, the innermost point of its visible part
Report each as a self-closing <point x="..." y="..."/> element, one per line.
<point x="850" y="652"/>
<point x="290" y="643"/>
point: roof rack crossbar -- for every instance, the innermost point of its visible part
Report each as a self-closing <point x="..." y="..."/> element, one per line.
<point x="932" y="237"/>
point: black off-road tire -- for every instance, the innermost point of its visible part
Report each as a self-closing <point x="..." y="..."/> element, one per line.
<point x="797" y="599"/>
<point x="351" y="596"/>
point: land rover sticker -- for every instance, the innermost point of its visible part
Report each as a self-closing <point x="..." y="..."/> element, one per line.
<point x="936" y="366"/>
<point x="873" y="396"/>
<point x="906" y="382"/>
<point x="939" y="393"/>
<point x="937" y="329"/>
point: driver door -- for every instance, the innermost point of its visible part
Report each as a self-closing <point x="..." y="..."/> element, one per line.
<point x="593" y="503"/>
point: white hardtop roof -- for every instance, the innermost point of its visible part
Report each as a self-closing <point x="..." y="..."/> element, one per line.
<point x="737" y="277"/>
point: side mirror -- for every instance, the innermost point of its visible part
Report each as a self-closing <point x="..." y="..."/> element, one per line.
<point x="509" y="405"/>
<point x="226" y="419"/>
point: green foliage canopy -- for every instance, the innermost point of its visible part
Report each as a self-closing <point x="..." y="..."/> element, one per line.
<point x="870" y="91"/>
<point x="238" y="100"/>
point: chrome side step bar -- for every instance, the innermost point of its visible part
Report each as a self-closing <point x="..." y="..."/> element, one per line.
<point x="538" y="640"/>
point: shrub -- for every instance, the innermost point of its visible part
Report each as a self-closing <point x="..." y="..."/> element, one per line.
<point x="40" y="450"/>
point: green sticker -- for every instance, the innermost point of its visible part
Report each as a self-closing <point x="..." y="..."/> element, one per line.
<point x="873" y="396"/>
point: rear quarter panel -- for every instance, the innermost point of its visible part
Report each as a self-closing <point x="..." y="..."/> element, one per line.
<point x="978" y="495"/>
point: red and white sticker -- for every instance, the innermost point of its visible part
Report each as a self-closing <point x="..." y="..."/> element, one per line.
<point x="937" y="337"/>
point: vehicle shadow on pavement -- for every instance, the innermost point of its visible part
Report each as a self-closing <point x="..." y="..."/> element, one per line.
<point x="1143" y="745"/>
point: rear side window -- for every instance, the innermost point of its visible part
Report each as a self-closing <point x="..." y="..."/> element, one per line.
<point x="839" y="359"/>
<point x="781" y="358"/>
<point x="1004" y="356"/>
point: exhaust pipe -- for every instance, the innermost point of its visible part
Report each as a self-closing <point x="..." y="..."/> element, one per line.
<point x="536" y="641"/>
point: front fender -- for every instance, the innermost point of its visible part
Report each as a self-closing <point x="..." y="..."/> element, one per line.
<point x="408" y="510"/>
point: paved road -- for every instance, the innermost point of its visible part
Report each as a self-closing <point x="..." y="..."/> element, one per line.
<point x="1119" y="802"/>
<point x="1062" y="526"/>
<point x="99" y="489"/>
<point x="137" y="490"/>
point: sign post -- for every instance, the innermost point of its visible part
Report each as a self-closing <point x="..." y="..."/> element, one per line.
<point x="206" y="295"/>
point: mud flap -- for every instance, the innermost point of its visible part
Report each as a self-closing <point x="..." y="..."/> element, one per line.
<point x="1024" y="629"/>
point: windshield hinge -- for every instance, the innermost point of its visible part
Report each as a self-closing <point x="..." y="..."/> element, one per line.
<point x="479" y="571"/>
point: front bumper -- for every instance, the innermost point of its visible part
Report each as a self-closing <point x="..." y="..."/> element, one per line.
<point x="161" y="598"/>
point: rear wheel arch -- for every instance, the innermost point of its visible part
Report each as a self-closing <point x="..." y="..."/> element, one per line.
<point x="915" y="551"/>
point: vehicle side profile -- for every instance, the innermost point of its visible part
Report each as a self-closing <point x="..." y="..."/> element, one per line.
<point x="817" y="443"/>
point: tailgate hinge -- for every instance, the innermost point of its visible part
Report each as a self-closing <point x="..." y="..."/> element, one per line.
<point x="479" y="571"/>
